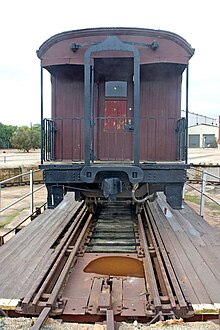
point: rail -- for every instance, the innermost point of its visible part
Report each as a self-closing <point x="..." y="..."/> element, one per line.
<point x="33" y="213"/>
<point x="204" y="178"/>
<point x="111" y="137"/>
<point x="31" y="193"/>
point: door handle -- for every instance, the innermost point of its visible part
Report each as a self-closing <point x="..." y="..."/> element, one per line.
<point x="129" y="127"/>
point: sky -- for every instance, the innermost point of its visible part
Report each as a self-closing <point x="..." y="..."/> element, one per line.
<point x="26" y="24"/>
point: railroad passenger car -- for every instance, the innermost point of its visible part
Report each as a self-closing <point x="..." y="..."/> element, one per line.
<point x="115" y="131"/>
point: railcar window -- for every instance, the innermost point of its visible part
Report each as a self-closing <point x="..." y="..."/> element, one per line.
<point x="116" y="88"/>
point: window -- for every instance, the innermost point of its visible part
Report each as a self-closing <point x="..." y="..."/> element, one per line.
<point x="116" y="89"/>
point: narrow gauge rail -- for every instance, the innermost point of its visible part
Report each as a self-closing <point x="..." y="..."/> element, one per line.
<point x="112" y="267"/>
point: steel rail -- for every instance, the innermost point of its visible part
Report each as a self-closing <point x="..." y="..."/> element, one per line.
<point x="110" y="325"/>
<point x="178" y="292"/>
<point x="160" y="262"/>
<point x="52" y="272"/>
<point x="41" y="319"/>
<point x="60" y="281"/>
<point x="61" y="247"/>
<point x="68" y="264"/>
<point x="148" y="269"/>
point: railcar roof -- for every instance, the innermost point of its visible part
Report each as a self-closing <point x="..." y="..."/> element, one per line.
<point x="108" y="31"/>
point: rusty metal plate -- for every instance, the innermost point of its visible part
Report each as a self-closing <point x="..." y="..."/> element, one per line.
<point x="134" y="297"/>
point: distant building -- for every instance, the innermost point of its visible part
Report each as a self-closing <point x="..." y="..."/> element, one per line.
<point x="196" y="119"/>
<point x="203" y="131"/>
<point x="203" y="136"/>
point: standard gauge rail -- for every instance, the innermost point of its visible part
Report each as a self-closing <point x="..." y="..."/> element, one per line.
<point x="44" y="296"/>
<point x="165" y="294"/>
<point x="110" y="257"/>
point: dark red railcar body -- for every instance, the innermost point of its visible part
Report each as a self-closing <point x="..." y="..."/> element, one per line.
<point x="116" y="98"/>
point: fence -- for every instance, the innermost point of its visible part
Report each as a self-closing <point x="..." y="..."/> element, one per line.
<point x="206" y="177"/>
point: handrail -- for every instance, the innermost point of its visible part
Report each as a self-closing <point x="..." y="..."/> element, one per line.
<point x="31" y="216"/>
<point x="33" y="213"/>
<point x="32" y="191"/>
<point x="20" y="199"/>
<point x="19" y="175"/>
<point x="203" y="188"/>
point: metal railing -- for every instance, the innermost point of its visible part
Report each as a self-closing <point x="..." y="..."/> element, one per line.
<point x="112" y="138"/>
<point x="32" y="214"/>
<point x="205" y="178"/>
<point x="31" y="193"/>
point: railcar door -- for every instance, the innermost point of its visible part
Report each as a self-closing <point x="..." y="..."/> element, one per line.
<point x="115" y="124"/>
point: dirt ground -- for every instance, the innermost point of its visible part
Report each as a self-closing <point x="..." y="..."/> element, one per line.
<point x="204" y="156"/>
<point x="11" y="157"/>
<point x="14" y="157"/>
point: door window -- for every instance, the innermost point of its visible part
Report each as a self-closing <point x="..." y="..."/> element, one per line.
<point x="116" y="89"/>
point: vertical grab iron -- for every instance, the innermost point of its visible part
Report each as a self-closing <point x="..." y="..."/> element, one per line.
<point x="42" y="116"/>
<point x="187" y="112"/>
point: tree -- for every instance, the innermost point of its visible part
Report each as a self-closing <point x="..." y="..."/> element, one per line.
<point x="35" y="136"/>
<point x="6" y="133"/>
<point x="26" y="138"/>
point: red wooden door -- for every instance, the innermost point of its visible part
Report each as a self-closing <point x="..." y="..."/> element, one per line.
<point x="115" y="134"/>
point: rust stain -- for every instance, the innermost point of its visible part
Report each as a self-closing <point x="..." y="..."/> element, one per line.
<point x="116" y="266"/>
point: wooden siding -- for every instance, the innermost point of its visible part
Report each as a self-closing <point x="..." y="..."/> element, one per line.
<point x="172" y="48"/>
<point x="160" y="89"/>
<point x="67" y="113"/>
<point x="160" y="108"/>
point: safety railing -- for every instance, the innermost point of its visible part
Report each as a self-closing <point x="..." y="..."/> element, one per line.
<point x="30" y="194"/>
<point x="204" y="177"/>
<point x="63" y="139"/>
<point x="32" y="213"/>
<point x="111" y="138"/>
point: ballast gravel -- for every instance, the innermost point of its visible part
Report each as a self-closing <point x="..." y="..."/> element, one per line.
<point x="22" y="323"/>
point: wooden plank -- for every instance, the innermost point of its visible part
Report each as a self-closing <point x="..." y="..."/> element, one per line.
<point x="24" y="285"/>
<point x="211" y="255"/>
<point x="205" y="309"/>
<point x="181" y="224"/>
<point x="200" y="223"/>
<point x="204" y="273"/>
<point x="25" y="236"/>
<point x="210" y="282"/>
<point x="15" y="263"/>
<point x="8" y="304"/>
<point x="41" y="232"/>
<point x="22" y="237"/>
<point x="28" y="256"/>
<point x="188" y="279"/>
<point x="195" y="219"/>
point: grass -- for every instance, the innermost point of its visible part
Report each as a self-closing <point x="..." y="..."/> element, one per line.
<point x="7" y="219"/>
<point x="192" y="198"/>
<point x="215" y="209"/>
